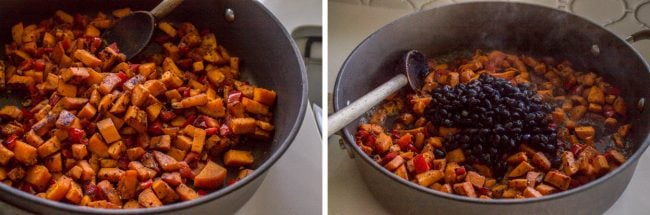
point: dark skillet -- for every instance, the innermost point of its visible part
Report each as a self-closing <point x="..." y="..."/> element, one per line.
<point x="270" y="60"/>
<point x="513" y="27"/>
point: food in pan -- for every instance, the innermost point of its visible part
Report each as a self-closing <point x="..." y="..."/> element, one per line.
<point x="497" y="125"/>
<point x="96" y="130"/>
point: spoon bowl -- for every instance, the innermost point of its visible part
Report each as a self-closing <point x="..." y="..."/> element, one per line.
<point x="131" y="33"/>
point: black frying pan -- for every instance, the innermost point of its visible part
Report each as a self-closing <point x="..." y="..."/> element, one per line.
<point x="269" y="59"/>
<point x="513" y="27"/>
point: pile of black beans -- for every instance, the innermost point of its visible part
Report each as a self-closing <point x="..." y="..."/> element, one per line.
<point x="494" y="117"/>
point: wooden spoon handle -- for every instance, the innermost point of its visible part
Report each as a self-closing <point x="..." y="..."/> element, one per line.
<point x="165" y="7"/>
<point x="346" y="115"/>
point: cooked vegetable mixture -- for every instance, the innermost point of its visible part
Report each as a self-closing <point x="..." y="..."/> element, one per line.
<point x="99" y="131"/>
<point x="498" y="125"/>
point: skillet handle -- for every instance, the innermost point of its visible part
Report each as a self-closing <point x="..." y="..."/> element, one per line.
<point x="343" y="117"/>
<point x="165" y="7"/>
<point x="639" y="35"/>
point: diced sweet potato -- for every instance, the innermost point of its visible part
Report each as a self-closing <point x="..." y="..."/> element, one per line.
<point x="21" y="80"/>
<point x="197" y="100"/>
<point x="136" y="118"/>
<point x="596" y="95"/>
<point x="476" y="179"/>
<point x="518" y="184"/>
<point x="577" y="112"/>
<point x="110" y="174"/>
<point x="148" y="198"/>
<point x="238" y="158"/>
<point x="120" y="104"/>
<point x="11" y="112"/>
<point x="557" y="179"/>
<point x="214" y="108"/>
<point x="134" y="153"/>
<point x="167" y="163"/>
<point x="167" y="28"/>
<point x="25" y="153"/>
<point x="59" y="189"/>
<point x="530" y="192"/>
<point x="75" y="194"/>
<point x="254" y="107"/>
<point x="116" y="149"/>
<point x="70" y="103"/>
<point x="131" y="204"/>
<point x="199" y="141"/>
<point x="87" y="172"/>
<point x="183" y="142"/>
<point x="394" y="163"/>
<point x="65" y="119"/>
<point x="162" y="142"/>
<point x="38" y="176"/>
<point x="128" y="184"/>
<point x="139" y="95"/>
<point x="242" y="125"/>
<point x="545" y="189"/>
<point x="102" y="204"/>
<point x="108" y="130"/>
<point x="600" y="164"/>
<point x="79" y="151"/>
<point x="110" y="192"/>
<point x="144" y="173"/>
<point x="54" y="163"/>
<point x="465" y="189"/>
<point x="97" y="146"/>
<point x="429" y="177"/>
<point x="186" y="193"/>
<point x="517" y="158"/>
<point x="5" y="155"/>
<point x="456" y="156"/>
<point x="520" y="170"/>
<point x="164" y="191"/>
<point x="109" y="83"/>
<point x="77" y="73"/>
<point x="541" y="161"/>
<point x="88" y="111"/>
<point x="585" y="132"/>
<point x="211" y="177"/>
<point x="87" y="58"/>
<point x="264" y="96"/>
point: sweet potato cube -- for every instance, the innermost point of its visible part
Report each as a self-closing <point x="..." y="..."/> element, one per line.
<point x="97" y="146"/>
<point x="465" y="189"/>
<point x="215" y="76"/>
<point x="139" y="95"/>
<point x="131" y="204"/>
<point x="63" y="16"/>
<point x="135" y="153"/>
<point x="264" y="96"/>
<point x="162" y="142"/>
<point x="153" y="110"/>
<point x="87" y="58"/>
<point x="171" y="80"/>
<point x="577" y="112"/>
<point x="167" y="163"/>
<point x="616" y="156"/>
<point x="155" y="87"/>
<point x="211" y="176"/>
<point x="70" y="103"/>
<point x="94" y="77"/>
<point x="25" y="153"/>
<point x="78" y="73"/>
<point x="476" y="179"/>
<point x="128" y="184"/>
<point x="59" y="189"/>
<point x="429" y="177"/>
<point x="102" y="204"/>
<point x="186" y="193"/>
<point x="199" y="141"/>
<point x="17" y="32"/>
<point x="558" y="179"/>
<point x="619" y="106"/>
<point x="214" y="108"/>
<point x="87" y="112"/>
<point x="164" y="191"/>
<point x="54" y="163"/>
<point x="517" y="158"/>
<point x="110" y="174"/>
<point x="254" y="107"/>
<point x="116" y="149"/>
<point x="569" y="164"/>
<point x="74" y="194"/>
<point x="518" y="184"/>
<point x="237" y="158"/>
<point x="242" y="125"/>
<point x="38" y="176"/>
<point x="5" y="155"/>
<point x="183" y="142"/>
<point x="11" y="112"/>
<point x="108" y="130"/>
<point x="176" y="153"/>
<point x="148" y="198"/>
<point x="136" y="118"/>
<point x="68" y="90"/>
<point x="167" y="28"/>
<point x="520" y="170"/>
<point x="545" y="189"/>
<point x="79" y="151"/>
<point x="585" y="132"/>
<point x="596" y="95"/>
<point x="530" y="192"/>
<point x="109" y="83"/>
<point x="456" y="156"/>
<point x="88" y="172"/>
<point x="541" y="161"/>
<point x="600" y="164"/>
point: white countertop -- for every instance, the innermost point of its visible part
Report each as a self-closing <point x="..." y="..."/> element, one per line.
<point x="347" y="191"/>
